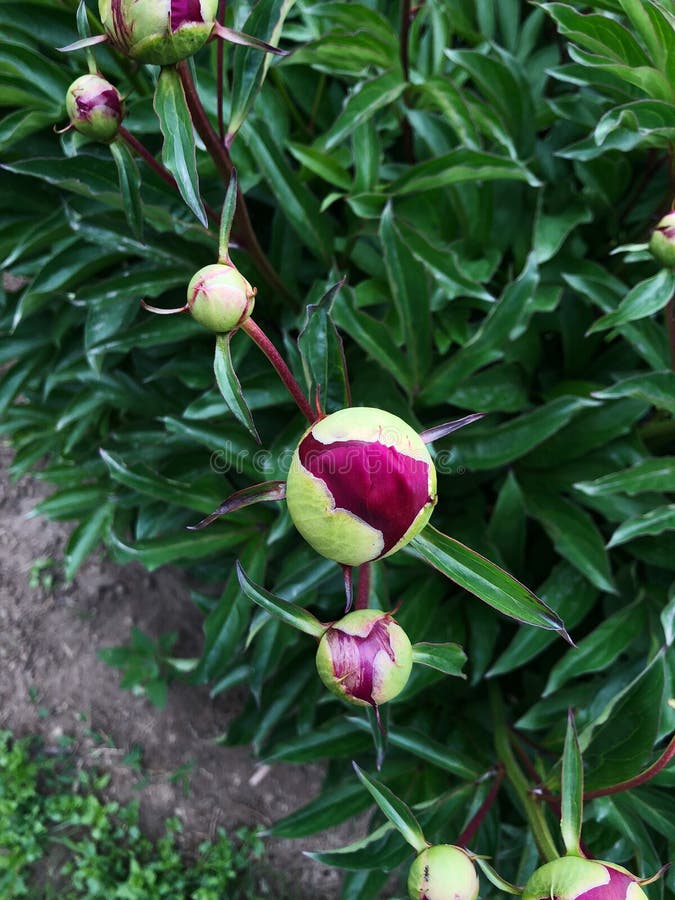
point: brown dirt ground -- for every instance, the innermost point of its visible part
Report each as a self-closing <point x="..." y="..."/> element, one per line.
<point x="53" y="684"/>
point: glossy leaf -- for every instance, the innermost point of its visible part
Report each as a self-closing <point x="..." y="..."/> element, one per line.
<point x="571" y="790"/>
<point x="486" y="580"/>
<point x="323" y="355"/>
<point x="230" y="386"/>
<point x="395" y="810"/>
<point x="656" y="474"/>
<point x="643" y="300"/>
<point x="130" y="184"/>
<point x="656" y="521"/>
<point x="288" y="612"/>
<point x="178" y="150"/>
<point x="447" y="658"/>
<point x="574" y="535"/>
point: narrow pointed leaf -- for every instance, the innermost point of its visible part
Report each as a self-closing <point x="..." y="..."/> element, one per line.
<point x="86" y="537"/>
<point x="227" y="215"/>
<point x="323" y="354"/>
<point x="656" y="474"/>
<point x="486" y="580"/>
<point x="178" y="152"/>
<point x="400" y="816"/>
<point x="645" y="299"/>
<point x="653" y="522"/>
<point x="448" y="658"/>
<point x="288" y="612"/>
<point x="230" y="386"/>
<point x="130" y="186"/>
<point x="493" y="876"/>
<point x="249" y="66"/>
<point x="257" y="493"/>
<point x="572" y="790"/>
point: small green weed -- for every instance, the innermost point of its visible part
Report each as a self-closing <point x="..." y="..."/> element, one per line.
<point x="59" y="838"/>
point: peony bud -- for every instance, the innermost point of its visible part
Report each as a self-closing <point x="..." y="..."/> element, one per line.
<point x="160" y="32"/>
<point x="361" y="485"/>
<point x="220" y="298"/>
<point x="443" y="872"/>
<point x="365" y="658"/>
<point x="662" y="243"/>
<point x="573" y="878"/>
<point x="94" y="107"/>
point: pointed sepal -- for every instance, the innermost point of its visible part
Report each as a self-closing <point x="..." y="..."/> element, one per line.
<point x="257" y="493"/>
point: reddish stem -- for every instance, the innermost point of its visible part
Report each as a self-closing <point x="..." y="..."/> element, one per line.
<point x="221" y="158"/>
<point x="157" y="167"/>
<point x="260" y="338"/>
<point x="363" y="589"/>
<point x="467" y="835"/>
<point x="642" y="778"/>
<point x="220" y="49"/>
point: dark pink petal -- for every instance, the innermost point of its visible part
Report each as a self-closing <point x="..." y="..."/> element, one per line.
<point x="353" y="658"/>
<point x="108" y="99"/>
<point x="380" y="485"/>
<point x="615" y="889"/>
<point x="183" y="11"/>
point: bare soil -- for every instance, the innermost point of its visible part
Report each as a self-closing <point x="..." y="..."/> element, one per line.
<point x="53" y="684"/>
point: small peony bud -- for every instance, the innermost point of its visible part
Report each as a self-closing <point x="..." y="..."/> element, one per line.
<point x="662" y="243"/>
<point x="94" y="107"/>
<point x="365" y="658"/>
<point x="443" y="872"/>
<point x="220" y="298"/>
<point x="160" y="32"/>
<point x="361" y="485"/>
<point x="573" y="878"/>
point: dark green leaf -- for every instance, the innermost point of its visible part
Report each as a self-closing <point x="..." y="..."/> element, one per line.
<point x="574" y="535"/>
<point x="323" y="357"/>
<point x="656" y="521"/>
<point x="486" y="580"/>
<point x="230" y="386"/>
<point x="447" y="658"/>
<point x="178" y="151"/>
<point x="288" y="612"/>
<point x="394" y="809"/>
<point x="571" y="790"/>
<point x="647" y="475"/>
<point x="643" y="300"/>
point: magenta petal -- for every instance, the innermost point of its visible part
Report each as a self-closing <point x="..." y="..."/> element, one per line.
<point x="109" y="99"/>
<point x="615" y="889"/>
<point x="353" y="658"/>
<point x="383" y="487"/>
<point x="183" y="11"/>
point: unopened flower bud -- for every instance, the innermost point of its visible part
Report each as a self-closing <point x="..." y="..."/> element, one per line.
<point x="573" y="878"/>
<point x="662" y="242"/>
<point x="361" y="485"/>
<point x="443" y="872"/>
<point x="94" y="107"/>
<point x="160" y="32"/>
<point x="220" y="298"/>
<point x="365" y="658"/>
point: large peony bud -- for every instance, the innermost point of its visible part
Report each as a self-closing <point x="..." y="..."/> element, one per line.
<point x="365" y="658"/>
<point x="160" y="32"/>
<point x="361" y="485"/>
<point x="662" y="242"/>
<point x="573" y="878"/>
<point x="94" y="107"/>
<point x="443" y="872"/>
<point x="220" y="298"/>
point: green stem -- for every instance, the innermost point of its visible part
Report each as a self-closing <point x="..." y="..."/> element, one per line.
<point x="533" y="812"/>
